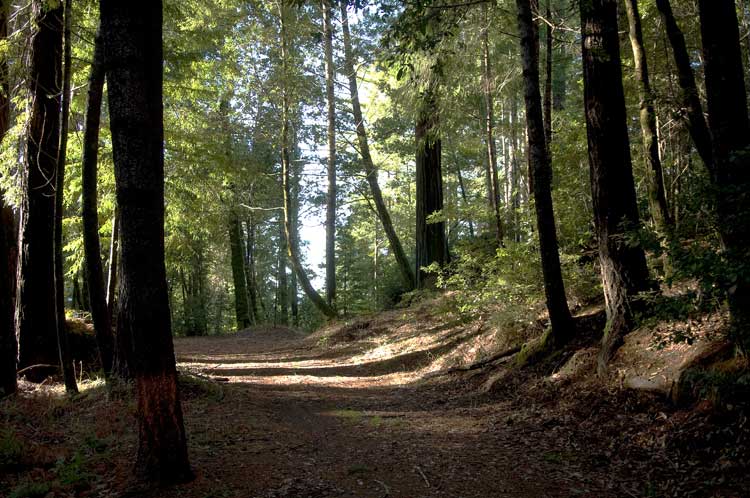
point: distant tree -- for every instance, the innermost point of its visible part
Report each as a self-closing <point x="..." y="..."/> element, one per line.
<point x="623" y="264"/>
<point x="331" y="138"/>
<point x="37" y="324"/>
<point x="237" y="249"/>
<point x="132" y="35"/>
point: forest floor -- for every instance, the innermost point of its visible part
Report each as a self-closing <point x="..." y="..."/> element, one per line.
<point x="382" y="406"/>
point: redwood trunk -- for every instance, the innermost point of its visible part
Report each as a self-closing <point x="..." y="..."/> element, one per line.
<point x="36" y="319"/>
<point x="133" y="58"/>
<point x="623" y="265"/>
<point x="91" y="245"/>
<point x="539" y="161"/>
<point x="730" y="130"/>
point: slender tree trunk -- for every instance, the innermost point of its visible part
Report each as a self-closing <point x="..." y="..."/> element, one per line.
<point x="657" y="196"/>
<point x="464" y="197"/>
<point x="36" y="320"/>
<point x="91" y="246"/>
<point x="623" y="265"/>
<point x="539" y="160"/>
<point x="8" y="253"/>
<point x="297" y="267"/>
<point x="114" y="254"/>
<point x="236" y="245"/>
<point x="515" y="174"/>
<point x="282" y="289"/>
<point x="730" y="130"/>
<point x="371" y="172"/>
<point x="66" y="361"/>
<point x="489" y="123"/>
<point x="432" y="246"/>
<point x="331" y="196"/>
<point x="252" y="285"/>
<point x="548" y="77"/>
<point x="133" y="59"/>
<point x="693" y="110"/>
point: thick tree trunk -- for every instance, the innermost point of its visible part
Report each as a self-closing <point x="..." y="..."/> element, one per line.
<point x="693" y="110"/>
<point x="331" y="196"/>
<point x="623" y="265"/>
<point x="432" y="246"/>
<point x="133" y="58"/>
<point x="36" y="320"/>
<point x="286" y="166"/>
<point x="371" y="172"/>
<point x="730" y="130"/>
<point x="489" y="123"/>
<point x="8" y="243"/>
<point x="657" y="196"/>
<point x="539" y="160"/>
<point x="122" y="352"/>
<point x="63" y="344"/>
<point x="239" y="276"/>
<point x="92" y="248"/>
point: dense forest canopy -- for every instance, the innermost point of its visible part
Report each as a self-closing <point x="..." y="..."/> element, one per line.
<point x="197" y="168"/>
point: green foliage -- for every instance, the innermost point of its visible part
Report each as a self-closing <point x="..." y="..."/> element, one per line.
<point x="30" y="490"/>
<point x="11" y="448"/>
<point x="71" y="472"/>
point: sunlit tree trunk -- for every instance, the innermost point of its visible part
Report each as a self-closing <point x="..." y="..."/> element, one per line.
<point x="133" y="58"/>
<point x="657" y="196"/>
<point x="539" y="160"/>
<point x="730" y="131"/>
<point x="371" y="172"/>
<point x="92" y="249"/>
<point x="623" y="265"/>
<point x="331" y="136"/>
<point x="36" y="315"/>
<point x="8" y="253"/>
<point x="693" y="109"/>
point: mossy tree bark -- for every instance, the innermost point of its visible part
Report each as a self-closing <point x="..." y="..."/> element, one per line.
<point x="133" y="59"/>
<point x="623" y="265"/>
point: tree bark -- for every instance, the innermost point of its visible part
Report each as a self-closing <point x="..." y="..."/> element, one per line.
<point x="539" y="159"/>
<point x="693" y="110"/>
<point x="489" y="123"/>
<point x="657" y="196"/>
<point x="371" y="172"/>
<point x="730" y="130"/>
<point x="239" y="277"/>
<point x="91" y="245"/>
<point x="623" y="265"/>
<point x="8" y="243"/>
<point x="282" y="284"/>
<point x="133" y="58"/>
<point x="432" y="246"/>
<point x="548" y="77"/>
<point x="36" y="322"/>
<point x="252" y="285"/>
<point x="331" y="196"/>
<point x="297" y="267"/>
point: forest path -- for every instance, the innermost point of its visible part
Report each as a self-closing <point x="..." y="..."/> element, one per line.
<point x="288" y="417"/>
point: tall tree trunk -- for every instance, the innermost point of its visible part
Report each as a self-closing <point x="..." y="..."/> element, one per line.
<point x="657" y="196"/>
<point x="489" y="123"/>
<point x="8" y="253"/>
<point x="623" y="265"/>
<point x="91" y="245"/>
<point x="122" y="353"/>
<point x="63" y="344"/>
<point x="371" y="172"/>
<point x="515" y="174"/>
<point x="37" y="324"/>
<point x="252" y="285"/>
<point x="693" y="110"/>
<point x="539" y="160"/>
<point x="730" y="130"/>
<point x="133" y="59"/>
<point x="282" y="284"/>
<point x="239" y="277"/>
<point x="548" y="77"/>
<point x="432" y="246"/>
<point x="286" y="166"/>
<point x="331" y="196"/>
<point x="114" y="254"/>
